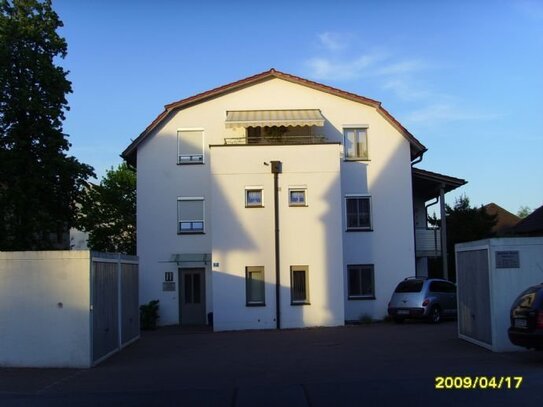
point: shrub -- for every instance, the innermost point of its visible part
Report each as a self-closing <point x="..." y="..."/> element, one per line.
<point x="149" y="315"/>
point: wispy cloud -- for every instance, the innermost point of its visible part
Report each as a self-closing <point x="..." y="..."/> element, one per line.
<point x="339" y="69"/>
<point x="402" y="76"/>
<point x="402" y="67"/>
<point x="334" y="41"/>
<point x="406" y="90"/>
<point x="446" y="112"/>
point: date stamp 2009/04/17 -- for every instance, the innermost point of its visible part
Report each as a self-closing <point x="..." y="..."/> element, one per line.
<point x="477" y="382"/>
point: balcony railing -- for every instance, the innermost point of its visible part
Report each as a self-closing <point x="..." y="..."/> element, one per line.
<point x="285" y="139"/>
<point x="428" y="242"/>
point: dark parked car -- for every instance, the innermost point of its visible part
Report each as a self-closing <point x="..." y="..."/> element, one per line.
<point x="527" y="319"/>
<point x="423" y="298"/>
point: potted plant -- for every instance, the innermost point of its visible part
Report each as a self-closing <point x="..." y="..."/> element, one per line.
<point x="149" y="315"/>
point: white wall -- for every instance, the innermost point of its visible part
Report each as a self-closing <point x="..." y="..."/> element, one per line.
<point x="387" y="177"/>
<point x="309" y="235"/>
<point x="507" y="283"/>
<point x="44" y="309"/>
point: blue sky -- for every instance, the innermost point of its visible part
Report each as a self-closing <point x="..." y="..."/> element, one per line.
<point x="466" y="78"/>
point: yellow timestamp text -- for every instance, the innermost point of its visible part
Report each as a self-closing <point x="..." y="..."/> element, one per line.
<point x="477" y="382"/>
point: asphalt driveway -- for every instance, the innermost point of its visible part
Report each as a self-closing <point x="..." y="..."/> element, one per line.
<point x="378" y="364"/>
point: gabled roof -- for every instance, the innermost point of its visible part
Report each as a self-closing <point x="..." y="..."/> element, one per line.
<point x="129" y="154"/>
<point x="505" y="220"/>
<point x="531" y="224"/>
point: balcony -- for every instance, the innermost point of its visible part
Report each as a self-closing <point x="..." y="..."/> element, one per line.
<point x="428" y="242"/>
<point x="282" y="139"/>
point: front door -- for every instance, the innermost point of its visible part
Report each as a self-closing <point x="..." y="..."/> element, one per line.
<point x="192" y="304"/>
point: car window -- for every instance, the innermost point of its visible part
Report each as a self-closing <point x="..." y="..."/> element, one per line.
<point x="442" y="287"/>
<point x="409" y="286"/>
<point x="451" y="288"/>
<point x="439" y="287"/>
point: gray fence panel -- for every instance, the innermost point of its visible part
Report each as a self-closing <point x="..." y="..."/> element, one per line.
<point x="105" y="298"/>
<point x="130" y="327"/>
<point x="474" y="295"/>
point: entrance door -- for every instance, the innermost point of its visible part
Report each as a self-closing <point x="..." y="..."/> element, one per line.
<point x="192" y="304"/>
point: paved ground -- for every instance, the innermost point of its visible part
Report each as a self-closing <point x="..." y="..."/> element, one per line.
<point x="378" y="364"/>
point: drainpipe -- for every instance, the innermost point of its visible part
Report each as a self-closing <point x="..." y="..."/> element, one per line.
<point x="418" y="160"/>
<point x="444" y="255"/>
<point x="276" y="169"/>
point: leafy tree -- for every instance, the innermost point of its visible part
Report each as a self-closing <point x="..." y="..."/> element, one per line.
<point x="108" y="212"/>
<point x="465" y="224"/>
<point x="524" y="211"/>
<point x="39" y="182"/>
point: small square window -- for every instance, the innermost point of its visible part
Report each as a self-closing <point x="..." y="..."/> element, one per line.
<point x="254" y="286"/>
<point x="299" y="285"/>
<point x="297" y="197"/>
<point x="361" y="282"/>
<point x="253" y="198"/>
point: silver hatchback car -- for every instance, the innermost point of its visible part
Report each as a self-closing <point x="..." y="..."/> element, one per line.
<point x="423" y="298"/>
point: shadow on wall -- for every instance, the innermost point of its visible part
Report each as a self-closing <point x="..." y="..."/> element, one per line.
<point x="238" y="243"/>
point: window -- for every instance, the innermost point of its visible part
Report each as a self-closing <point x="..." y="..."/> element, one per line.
<point x="356" y="143"/>
<point x="296" y="197"/>
<point x="190" y="215"/>
<point x="361" y="282"/>
<point x="299" y="285"/>
<point x="190" y="146"/>
<point x="358" y="212"/>
<point x="254" y="285"/>
<point x="254" y="197"/>
<point x="442" y="287"/>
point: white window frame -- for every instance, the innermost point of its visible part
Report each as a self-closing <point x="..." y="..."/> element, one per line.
<point x="253" y="188"/>
<point x="297" y="189"/>
<point x="256" y="303"/>
<point x="356" y="127"/>
<point x="358" y="268"/>
<point x="179" y="221"/>
<point x="358" y="228"/>
<point x="305" y="269"/>
<point x="201" y="159"/>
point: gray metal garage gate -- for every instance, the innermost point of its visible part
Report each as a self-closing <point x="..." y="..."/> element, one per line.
<point x="115" y="308"/>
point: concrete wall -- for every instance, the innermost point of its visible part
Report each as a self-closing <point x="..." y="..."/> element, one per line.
<point x="386" y="177"/>
<point x="309" y="235"/>
<point x="44" y="309"/>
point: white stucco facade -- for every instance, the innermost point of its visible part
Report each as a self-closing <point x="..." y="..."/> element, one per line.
<point x="44" y="309"/>
<point x="236" y="237"/>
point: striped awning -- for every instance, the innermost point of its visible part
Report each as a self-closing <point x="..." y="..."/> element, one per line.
<point x="258" y="118"/>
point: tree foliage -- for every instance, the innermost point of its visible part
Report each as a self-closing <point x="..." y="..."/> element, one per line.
<point x="39" y="182"/>
<point x="108" y="212"/>
<point x="524" y="211"/>
<point x="465" y="224"/>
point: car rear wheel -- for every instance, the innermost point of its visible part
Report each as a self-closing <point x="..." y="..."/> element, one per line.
<point x="435" y="315"/>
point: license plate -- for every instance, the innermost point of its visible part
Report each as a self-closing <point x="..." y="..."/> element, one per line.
<point x="403" y="312"/>
<point x="520" y="323"/>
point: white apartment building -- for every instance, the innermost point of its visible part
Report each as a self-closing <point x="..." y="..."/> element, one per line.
<point x="278" y="202"/>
